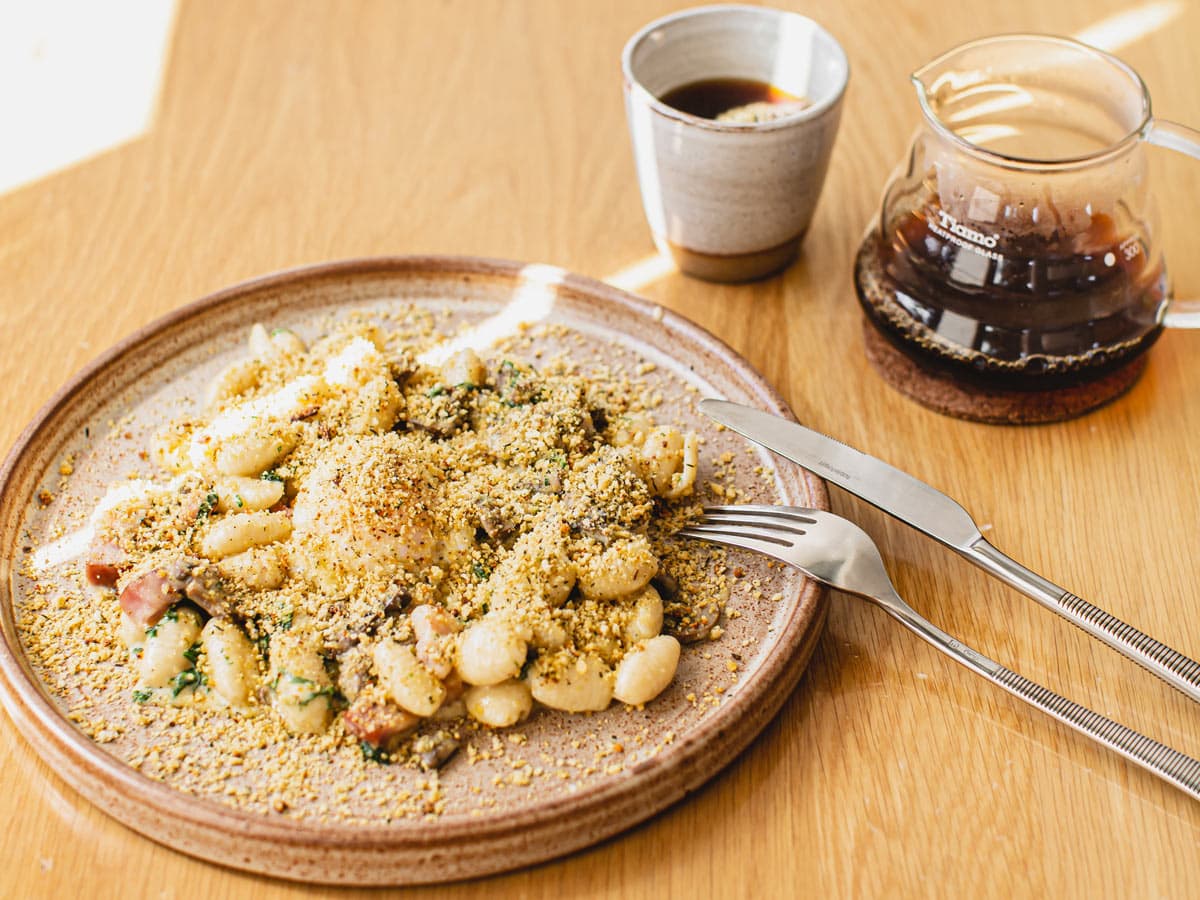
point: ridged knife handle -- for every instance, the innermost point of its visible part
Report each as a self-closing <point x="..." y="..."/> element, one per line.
<point x="1172" y="666"/>
<point x="1179" y="671"/>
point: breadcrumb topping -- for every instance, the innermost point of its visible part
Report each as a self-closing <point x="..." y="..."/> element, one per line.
<point x="524" y="489"/>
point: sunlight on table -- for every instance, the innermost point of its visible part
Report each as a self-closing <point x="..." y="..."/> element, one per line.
<point x="76" y="79"/>
<point x="1130" y="26"/>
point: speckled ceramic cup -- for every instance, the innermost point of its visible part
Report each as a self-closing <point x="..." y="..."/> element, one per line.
<point x="732" y="201"/>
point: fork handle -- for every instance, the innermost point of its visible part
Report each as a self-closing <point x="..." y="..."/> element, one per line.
<point x="1170" y="765"/>
<point x="1177" y="670"/>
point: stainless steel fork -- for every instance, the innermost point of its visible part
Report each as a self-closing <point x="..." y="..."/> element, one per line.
<point x="838" y="553"/>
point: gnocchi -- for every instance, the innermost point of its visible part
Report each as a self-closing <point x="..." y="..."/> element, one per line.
<point x="240" y="494"/>
<point x="645" y="617"/>
<point x="165" y="647"/>
<point x="491" y="652"/>
<point x="584" y="685"/>
<point x="618" y="570"/>
<point x="232" y="662"/>
<point x="670" y="461"/>
<point x="499" y="705"/>
<point x="300" y="686"/>
<point x="645" y="672"/>
<point x="259" y="568"/>
<point x="464" y="367"/>
<point x="237" y="533"/>
<point x="406" y="681"/>
<point x="255" y="451"/>
<point x="348" y="534"/>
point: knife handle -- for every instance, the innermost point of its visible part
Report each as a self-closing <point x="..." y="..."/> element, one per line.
<point x="1177" y="670"/>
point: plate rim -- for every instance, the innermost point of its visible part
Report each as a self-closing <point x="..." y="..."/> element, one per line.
<point x="29" y="704"/>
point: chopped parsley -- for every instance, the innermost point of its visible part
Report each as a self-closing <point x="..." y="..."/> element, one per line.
<point x="480" y="571"/>
<point x="191" y="653"/>
<point x="271" y="475"/>
<point x="521" y="388"/>
<point x="207" y="505"/>
<point x="141" y="695"/>
<point x="188" y="678"/>
<point x="439" y="389"/>
<point x="374" y="754"/>
<point x="171" y="615"/>
<point x="530" y="659"/>
<point x="327" y="691"/>
<point x="319" y="692"/>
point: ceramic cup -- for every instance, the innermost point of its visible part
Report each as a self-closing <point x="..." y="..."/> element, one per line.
<point x="732" y="201"/>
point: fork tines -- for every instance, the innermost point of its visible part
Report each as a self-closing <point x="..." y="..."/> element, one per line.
<point x="782" y="518"/>
<point x="765" y="529"/>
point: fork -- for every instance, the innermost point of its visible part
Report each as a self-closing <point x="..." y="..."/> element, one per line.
<point x="839" y="554"/>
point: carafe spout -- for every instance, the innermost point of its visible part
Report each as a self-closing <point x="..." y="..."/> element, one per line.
<point x="922" y="78"/>
<point x="939" y="78"/>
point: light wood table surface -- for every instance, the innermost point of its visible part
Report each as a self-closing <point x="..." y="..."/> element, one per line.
<point x="290" y="133"/>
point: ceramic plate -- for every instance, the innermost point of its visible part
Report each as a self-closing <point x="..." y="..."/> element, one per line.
<point x="554" y="784"/>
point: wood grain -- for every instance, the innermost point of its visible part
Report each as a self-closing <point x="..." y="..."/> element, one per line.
<point x="289" y="133"/>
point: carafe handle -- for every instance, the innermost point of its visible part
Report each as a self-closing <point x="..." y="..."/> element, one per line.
<point x="1181" y="139"/>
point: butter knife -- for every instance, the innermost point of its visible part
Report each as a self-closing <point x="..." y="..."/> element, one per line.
<point x="930" y="511"/>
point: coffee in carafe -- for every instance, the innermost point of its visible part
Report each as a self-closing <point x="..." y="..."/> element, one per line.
<point x="1016" y="247"/>
<point x="1028" y="310"/>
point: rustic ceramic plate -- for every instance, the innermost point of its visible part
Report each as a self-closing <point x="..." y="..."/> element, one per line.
<point x="553" y="784"/>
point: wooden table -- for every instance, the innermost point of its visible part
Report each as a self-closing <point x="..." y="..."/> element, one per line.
<point x="289" y="133"/>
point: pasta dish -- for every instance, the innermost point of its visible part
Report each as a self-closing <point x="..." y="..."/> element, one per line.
<point x="352" y="542"/>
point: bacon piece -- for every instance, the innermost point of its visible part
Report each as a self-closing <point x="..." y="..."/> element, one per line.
<point x="104" y="562"/>
<point x="101" y="574"/>
<point x="376" y="720"/>
<point x="148" y="596"/>
<point x="431" y="624"/>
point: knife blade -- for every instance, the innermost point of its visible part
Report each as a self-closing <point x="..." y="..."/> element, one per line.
<point x="886" y="487"/>
<point x="945" y="520"/>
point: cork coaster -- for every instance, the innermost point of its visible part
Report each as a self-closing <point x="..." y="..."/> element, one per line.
<point x="952" y="397"/>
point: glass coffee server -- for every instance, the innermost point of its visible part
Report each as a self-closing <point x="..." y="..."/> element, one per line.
<point x="1017" y="245"/>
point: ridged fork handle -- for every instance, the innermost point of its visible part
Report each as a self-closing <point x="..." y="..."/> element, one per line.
<point x="1174" y="767"/>
<point x="1177" y="670"/>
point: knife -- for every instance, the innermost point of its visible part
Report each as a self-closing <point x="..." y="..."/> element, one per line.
<point x="930" y="511"/>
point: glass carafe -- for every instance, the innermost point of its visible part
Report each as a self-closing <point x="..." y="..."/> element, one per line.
<point x="1017" y="244"/>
